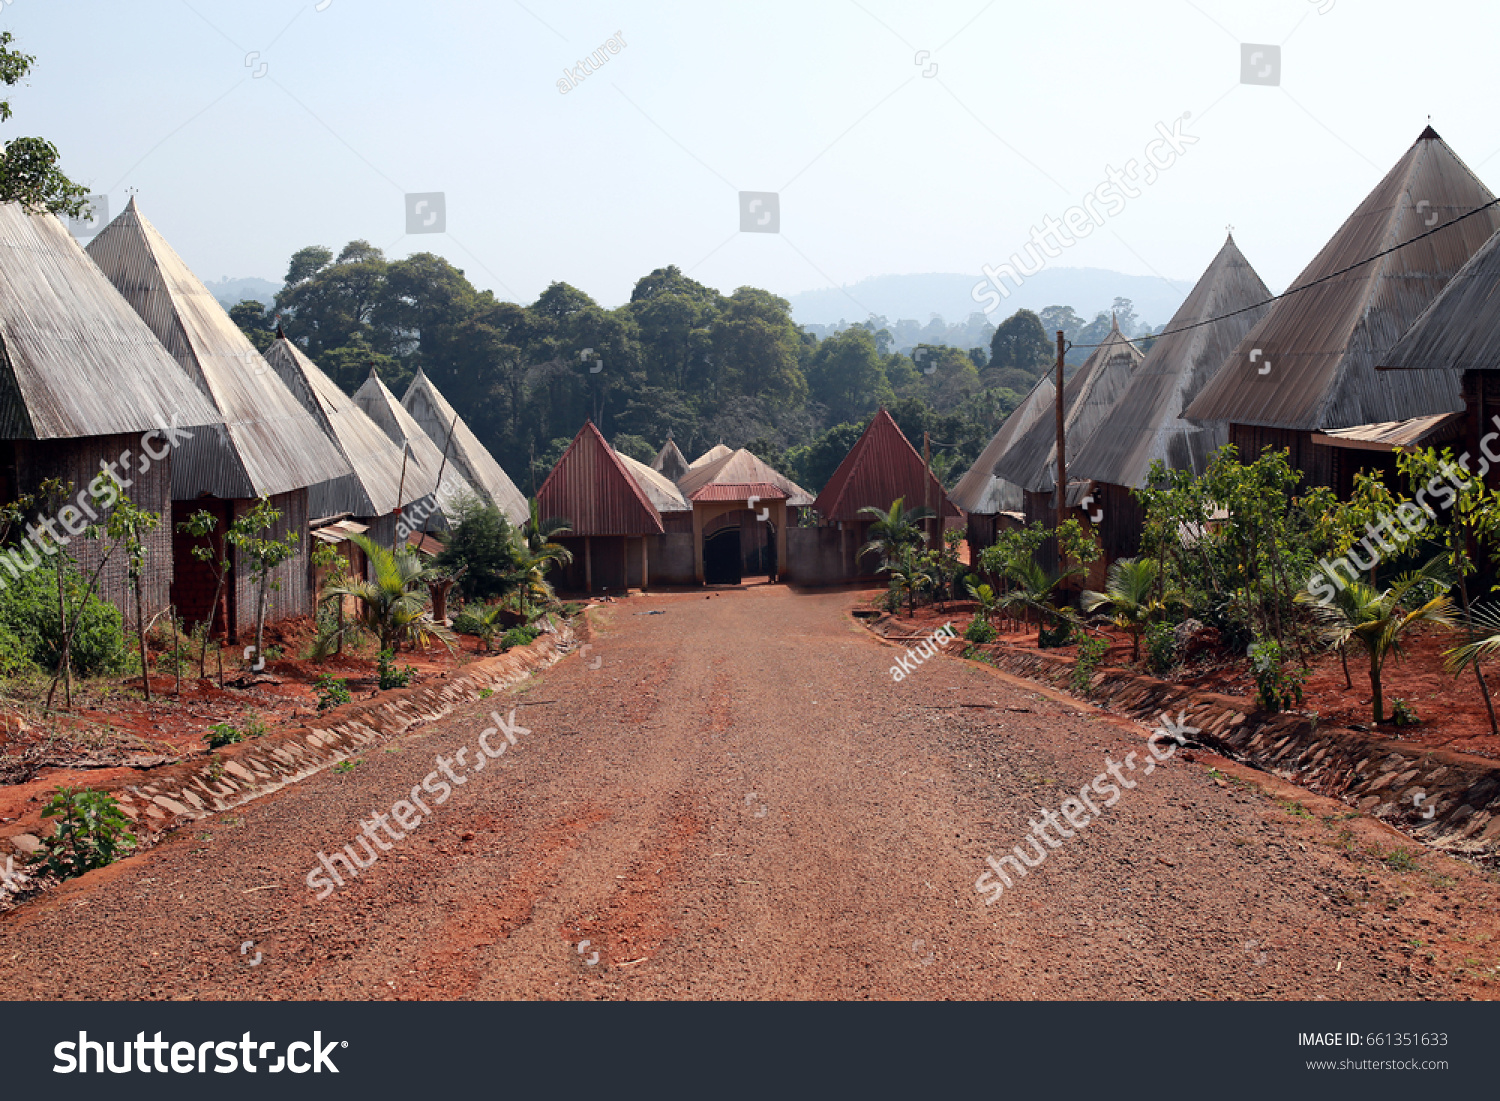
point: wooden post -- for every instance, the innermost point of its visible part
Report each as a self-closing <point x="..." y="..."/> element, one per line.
<point x="927" y="483"/>
<point x="698" y="543"/>
<point x="588" y="565"/>
<point x="1062" y="443"/>
<point x="645" y="562"/>
<point x="400" y="490"/>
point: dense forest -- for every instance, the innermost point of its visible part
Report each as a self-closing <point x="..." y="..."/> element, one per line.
<point x="679" y="357"/>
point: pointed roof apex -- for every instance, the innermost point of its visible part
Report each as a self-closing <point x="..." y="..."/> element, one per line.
<point x="880" y="467"/>
<point x="1114" y="322"/>
<point x="1428" y="134"/>
<point x="669" y="433"/>
<point x="279" y="334"/>
<point x="131" y="207"/>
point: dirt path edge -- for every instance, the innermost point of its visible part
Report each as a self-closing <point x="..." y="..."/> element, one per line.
<point x="169" y="796"/>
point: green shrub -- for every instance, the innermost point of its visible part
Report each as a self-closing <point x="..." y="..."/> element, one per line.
<point x="28" y="612"/>
<point x="468" y="623"/>
<point x="1276" y="688"/>
<point x="1091" y="653"/>
<point x="891" y="602"/>
<point x="1161" y="647"/>
<point x="221" y="734"/>
<point x="391" y="674"/>
<point x="15" y="656"/>
<point x="254" y="727"/>
<point x="91" y="832"/>
<point x="980" y="630"/>
<point x="482" y="547"/>
<point x="331" y="691"/>
<point x="517" y="636"/>
<point x="1060" y="634"/>
<point x="1402" y="713"/>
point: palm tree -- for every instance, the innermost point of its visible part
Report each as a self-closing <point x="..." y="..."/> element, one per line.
<point x="1482" y="625"/>
<point x="893" y="529"/>
<point x="909" y="574"/>
<point x="540" y="534"/>
<point x="390" y="606"/>
<point x="1036" y="591"/>
<point x="1374" y="619"/>
<point x="984" y="595"/>
<point x="1130" y="594"/>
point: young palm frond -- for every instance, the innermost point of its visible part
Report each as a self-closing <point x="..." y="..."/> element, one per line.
<point x="1376" y="619"/>
<point x="893" y="528"/>
<point x="391" y="605"/>
<point x="540" y="534"/>
<point x="1130" y="595"/>
<point x="1482" y="626"/>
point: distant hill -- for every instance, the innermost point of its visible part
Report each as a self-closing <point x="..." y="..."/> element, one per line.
<point x="230" y="291"/>
<point x="1087" y="290"/>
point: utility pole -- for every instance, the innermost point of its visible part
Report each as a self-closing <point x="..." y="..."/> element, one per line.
<point x="400" y="492"/>
<point x="927" y="467"/>
<point x="1062" y="457"/>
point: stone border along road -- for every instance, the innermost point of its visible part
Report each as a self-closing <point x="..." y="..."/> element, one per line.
<point x="1375" y="775"/>
<point x="171" y="796"/>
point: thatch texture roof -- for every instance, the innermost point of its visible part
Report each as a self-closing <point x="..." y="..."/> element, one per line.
<point x="266" y="442"/>
<point x="431" y="410"/>
<point x="981" y="490"/>
<point x="670" y="461"/>
<point x="1460" y="328"/>
<point x="75" y="359"/>
<point x="1100" y="382"/>
<point x="379" y="474"/>
<point x="657" y="486"/>
<point x="1145" y="424"/>
<point x="1323" y="343"/>
<point x="880" y="467"/>
<point x="377" y="402"/>
<point x="735" y="475"/>
<point x="592" y="489"/>
<point x="713" y="454"/>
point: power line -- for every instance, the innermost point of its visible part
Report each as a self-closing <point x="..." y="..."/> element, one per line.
<point x="1308" y="286"/>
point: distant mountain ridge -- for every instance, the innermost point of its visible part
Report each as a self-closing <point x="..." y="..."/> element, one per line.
<point x="229" y="291"/>
<point x="1087" y="290"/>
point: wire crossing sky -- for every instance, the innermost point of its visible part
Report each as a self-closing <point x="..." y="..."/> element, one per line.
<point x="593" y="142"/>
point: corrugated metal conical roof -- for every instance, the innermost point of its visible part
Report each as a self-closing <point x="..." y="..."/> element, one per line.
<point x="1460" y="328"/>
<point x="1146" y="424"/>
<point x="981" y="490"/>
<point x="1103" y="378"/>
<point x="378" y="475"/>
<point x="77" y="360"/>
<point x="431" y="410"/>
<point x="377" y="402"/>
<point x="1322" y="344"/>
<point x="267" y="442"/>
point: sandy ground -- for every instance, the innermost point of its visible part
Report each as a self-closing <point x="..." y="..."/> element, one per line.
<point x="733" y="799"/>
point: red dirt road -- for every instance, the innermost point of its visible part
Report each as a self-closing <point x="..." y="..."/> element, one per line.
<point x="738" y="802"/>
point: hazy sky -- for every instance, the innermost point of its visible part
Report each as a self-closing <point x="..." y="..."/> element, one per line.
<point x="884" y="160"/>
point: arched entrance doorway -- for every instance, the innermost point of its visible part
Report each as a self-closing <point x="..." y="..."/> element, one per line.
<point x="721" y="557"/>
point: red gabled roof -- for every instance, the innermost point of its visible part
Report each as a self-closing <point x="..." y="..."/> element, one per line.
<point x="880" y="467"/>
<point x="740" y="491"/>
<point x="591" y="489"/>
